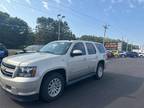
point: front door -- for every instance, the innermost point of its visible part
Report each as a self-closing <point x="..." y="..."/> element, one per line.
<point x="78" y="65"/>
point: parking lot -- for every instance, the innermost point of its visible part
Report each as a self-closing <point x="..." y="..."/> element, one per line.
<point x="121" y="87"/>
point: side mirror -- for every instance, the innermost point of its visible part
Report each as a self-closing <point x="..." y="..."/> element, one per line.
<point x="76" y="53"/>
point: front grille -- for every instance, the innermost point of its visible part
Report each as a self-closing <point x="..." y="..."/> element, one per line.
<point x="8" y="65"/>
<point x="8" y="74"/>
<point x="7" y="69"/>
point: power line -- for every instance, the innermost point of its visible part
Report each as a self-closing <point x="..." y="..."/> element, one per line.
<point x="76" y="12"/>
<point x="36" y="9"/>
<point x="82" y="14"/>
<point x="27" y="6"/>
<point x="73" y="10"/>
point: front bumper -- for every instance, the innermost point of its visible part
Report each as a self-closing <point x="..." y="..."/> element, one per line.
<point x="22" y="98"/>
<point x="20" y="87"/>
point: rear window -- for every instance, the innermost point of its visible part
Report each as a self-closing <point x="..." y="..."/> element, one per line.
<point x="101" y="48"/>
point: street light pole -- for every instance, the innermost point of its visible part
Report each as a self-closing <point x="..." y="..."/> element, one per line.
<point x="127" y="45"/>
<point x="59" y="24"/>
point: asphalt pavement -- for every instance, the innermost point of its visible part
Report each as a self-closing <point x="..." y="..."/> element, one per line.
<point x="121" y="87"/>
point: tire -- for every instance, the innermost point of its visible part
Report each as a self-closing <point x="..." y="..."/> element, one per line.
<point x="99" y="71"/>
<point x="52" y="87"/>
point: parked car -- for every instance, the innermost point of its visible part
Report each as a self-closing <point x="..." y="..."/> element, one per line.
<point x="115" y="53"/>
<point x="109" y="54"/>
<point x="141" y="54"/>
<point x="46" y="73"/>
<point x="3" y="52"/>
<point x="30" y="49"/>
<point x="122" y="54"/>
<point x="132" y="54"/>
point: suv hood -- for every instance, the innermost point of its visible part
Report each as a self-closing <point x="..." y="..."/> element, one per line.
<point x="28" y="58"/>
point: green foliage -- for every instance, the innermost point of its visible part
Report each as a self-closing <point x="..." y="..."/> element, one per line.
<point x="91" y="38"/>
<point x="13" y="31"/>
<point x="47" y="30"/>
<point x="96" y="39"/>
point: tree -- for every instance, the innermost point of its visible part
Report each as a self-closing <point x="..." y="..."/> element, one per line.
<point x="47" y="30"/>
<point x="91" y="38"/>
<point x="13" y="31"/>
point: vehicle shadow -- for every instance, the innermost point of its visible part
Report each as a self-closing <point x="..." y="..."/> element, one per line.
<point x="91" y="93"/>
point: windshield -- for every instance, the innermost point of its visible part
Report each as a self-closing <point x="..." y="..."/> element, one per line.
<point x="58" y="48"/>
<point x="33" y="48"/>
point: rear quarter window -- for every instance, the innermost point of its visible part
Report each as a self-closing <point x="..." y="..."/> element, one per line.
<point x="101" y="48"/>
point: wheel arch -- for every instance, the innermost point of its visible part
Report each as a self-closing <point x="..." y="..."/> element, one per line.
<point x="62" y="71"/>
<point x="101" y="62"/>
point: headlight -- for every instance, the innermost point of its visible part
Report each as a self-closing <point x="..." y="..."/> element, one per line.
<point x="26" y="71"/>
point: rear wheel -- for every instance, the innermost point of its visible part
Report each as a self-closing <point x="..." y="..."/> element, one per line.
<point x="52" y="87"/>
<point x="100" y="71"/>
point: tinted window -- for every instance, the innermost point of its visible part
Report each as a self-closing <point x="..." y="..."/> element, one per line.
<point x="101" y="48"/>
<point x="2" y="48"/>
<point x="79" y="46"/>
<point x="91" y="49"/>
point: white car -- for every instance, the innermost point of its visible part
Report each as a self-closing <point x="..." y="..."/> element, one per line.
<point x="46" y="73"/>
<point x="141" y="54"/>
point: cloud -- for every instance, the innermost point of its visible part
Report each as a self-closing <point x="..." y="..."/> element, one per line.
<point x="116" y="1"/>
<point x="109" y="9"/>
<point x="28" y="1"/>
<point x="70" y="1"/>
<point x="131" y="5"/>
<point x="58" y="1"/>
<point x="3" y="8"/>
<point x="140" y="1"/>
<point x="8" y="1"/>
<point x="45" y="5"/>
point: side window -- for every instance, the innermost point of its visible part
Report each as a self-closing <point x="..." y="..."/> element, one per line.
<point x="91" y="49"/>
<point x="79" y="46"/>
<point x="2" y="48"/>
<point x="101" y="48"/>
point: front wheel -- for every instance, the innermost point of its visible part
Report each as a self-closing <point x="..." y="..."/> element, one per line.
<point x="99" y="71"/>
<point x="52" y="87"/>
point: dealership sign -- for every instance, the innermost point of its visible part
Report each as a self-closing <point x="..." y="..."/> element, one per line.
<point x="113" y="46"/>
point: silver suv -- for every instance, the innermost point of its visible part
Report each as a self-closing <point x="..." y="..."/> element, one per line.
<point x="45" y="73"/>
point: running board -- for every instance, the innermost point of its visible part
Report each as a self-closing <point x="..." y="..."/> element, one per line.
<point x="80" y="78"/>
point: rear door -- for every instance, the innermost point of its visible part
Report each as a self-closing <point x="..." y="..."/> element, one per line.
<point x="92" y="57"/>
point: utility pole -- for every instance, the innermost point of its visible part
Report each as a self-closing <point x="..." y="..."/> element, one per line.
<point x="127" y="46"/>
<point x="60" y="17"/>
<point x="132" y="46"/>
<point x="105" y="31"/>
